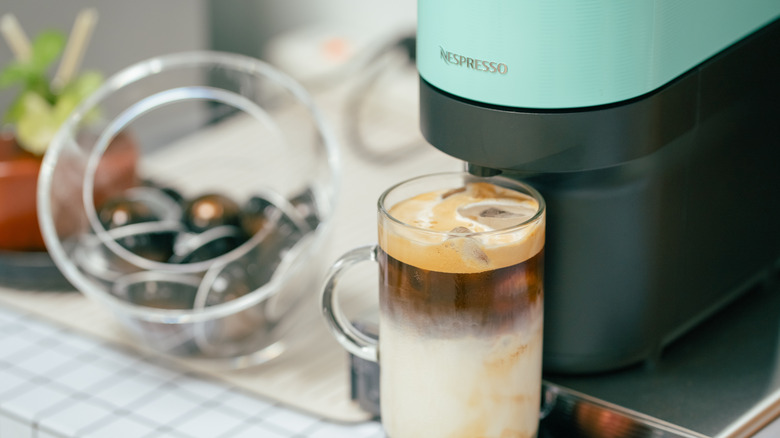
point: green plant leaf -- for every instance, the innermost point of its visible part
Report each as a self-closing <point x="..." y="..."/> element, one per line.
<point x="13" y="73"/>
<point x="83" y="85"/>
<point x="64" y="106"/>
<point x="38" y="112"/>
<point x="15" y="110"/>
<point x="46" y="48"/>
<point x="36" y="124"/>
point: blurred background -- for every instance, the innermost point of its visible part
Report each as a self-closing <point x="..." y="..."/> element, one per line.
<point x="298" y="36"/>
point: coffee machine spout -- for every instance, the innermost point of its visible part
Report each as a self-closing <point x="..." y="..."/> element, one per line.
<point x="478" y="170"/>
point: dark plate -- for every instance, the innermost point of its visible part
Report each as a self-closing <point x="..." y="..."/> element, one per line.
<point x="31" y="270"/>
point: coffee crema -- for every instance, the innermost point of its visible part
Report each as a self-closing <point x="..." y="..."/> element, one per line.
<point x="471" y="229"/>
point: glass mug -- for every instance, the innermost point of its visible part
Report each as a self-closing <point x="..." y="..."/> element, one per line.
<point x="461" y="307"/>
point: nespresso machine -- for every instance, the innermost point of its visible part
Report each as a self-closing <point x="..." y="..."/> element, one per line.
<point x="651" y="127"/>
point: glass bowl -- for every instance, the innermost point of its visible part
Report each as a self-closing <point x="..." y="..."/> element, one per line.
<point x="190" y="195"/>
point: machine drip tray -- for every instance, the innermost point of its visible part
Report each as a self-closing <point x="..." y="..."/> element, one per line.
<point x="720" y="379"/>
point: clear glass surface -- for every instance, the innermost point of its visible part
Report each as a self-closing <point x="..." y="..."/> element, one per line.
<point x="197" y="123"/>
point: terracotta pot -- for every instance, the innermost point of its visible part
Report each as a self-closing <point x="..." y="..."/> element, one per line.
<point x="19" y="169"/>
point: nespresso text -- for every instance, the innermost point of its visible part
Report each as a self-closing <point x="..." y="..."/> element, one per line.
<point x="450" y="58"/>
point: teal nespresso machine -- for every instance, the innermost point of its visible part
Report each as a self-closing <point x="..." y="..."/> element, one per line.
<point x="652" y="128"/>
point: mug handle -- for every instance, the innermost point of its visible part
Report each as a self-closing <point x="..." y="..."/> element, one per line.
<point x="352" y="339"/>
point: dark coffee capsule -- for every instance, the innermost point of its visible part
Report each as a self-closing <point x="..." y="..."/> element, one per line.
<point x="255" y="214"/>
<point x="173" y="194"/>
<point x="121" y="211"/>
<point x="158" y="290"/>
<point x="150" y="240"/>
<point x="156" y="245"/>
<point x="231" y="283"/>
<point x="306" y="205"/>
<point x="211" y="210"/>
<point x="210" y="244"/>
<point x="168" y="191"/>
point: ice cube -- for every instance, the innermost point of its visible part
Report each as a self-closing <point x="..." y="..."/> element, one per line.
<point x="472" y="250"/>
<point x="498" y="214"/>
<point x="469" y="249"/>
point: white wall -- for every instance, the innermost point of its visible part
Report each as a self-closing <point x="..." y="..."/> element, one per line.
<point x="129" y="31"/>
<point x="366" y="15"/>
<point x="245" y="26"/>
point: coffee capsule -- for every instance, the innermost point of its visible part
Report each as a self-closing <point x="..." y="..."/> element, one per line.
<point x="210" y="244"/>
<point x="211" y="210"/>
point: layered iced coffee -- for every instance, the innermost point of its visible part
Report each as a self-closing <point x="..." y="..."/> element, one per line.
<point x="461" y="300"/>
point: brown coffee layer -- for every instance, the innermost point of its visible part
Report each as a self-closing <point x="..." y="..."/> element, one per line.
<point x="450" y="304"/>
